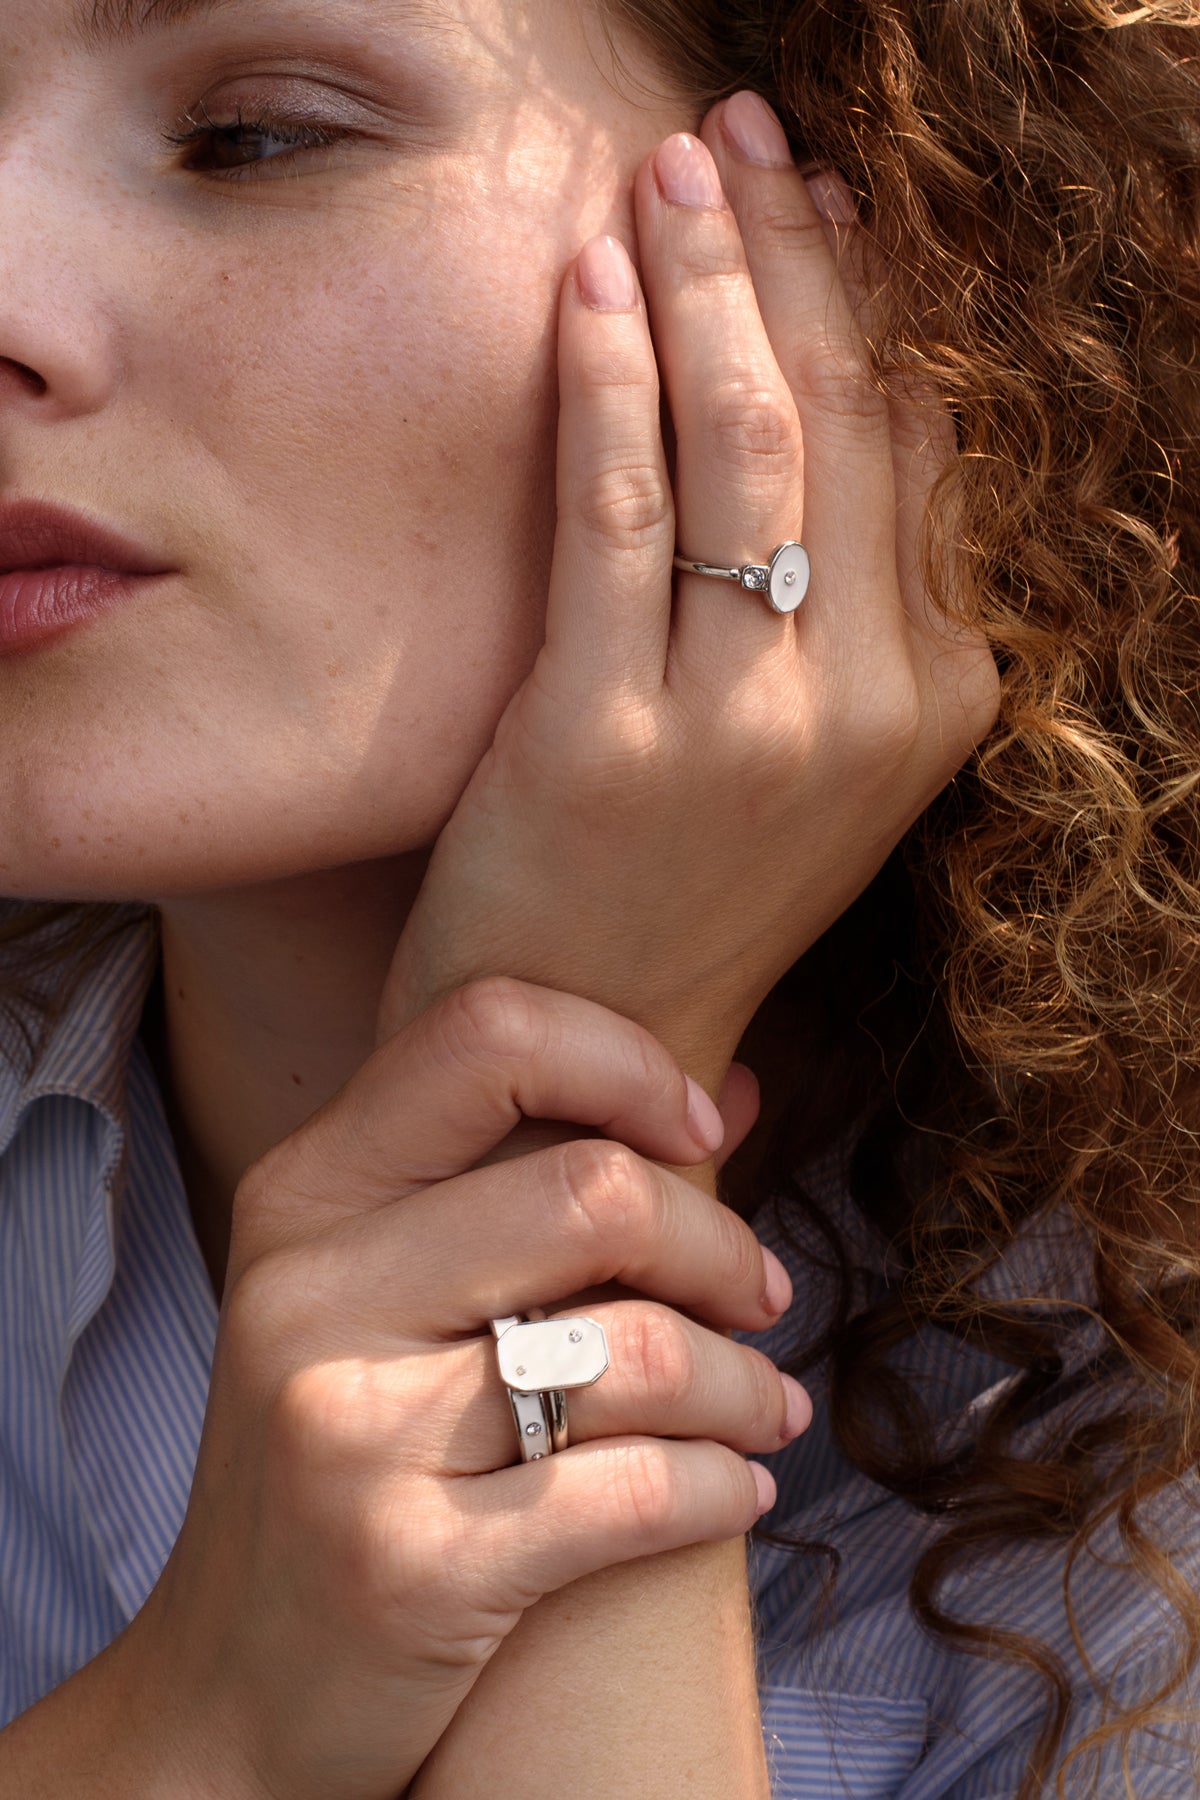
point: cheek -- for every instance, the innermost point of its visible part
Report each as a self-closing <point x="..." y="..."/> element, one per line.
<point x="384" y="427"/>
<point x="351" y="431"/>
<point x="406" y="359"/>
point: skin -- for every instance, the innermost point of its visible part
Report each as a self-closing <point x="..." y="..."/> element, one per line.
<point x="400" y="289"/>
<point x="359" y="675"/>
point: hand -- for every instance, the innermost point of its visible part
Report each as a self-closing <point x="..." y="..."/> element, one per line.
<point x="679" y="801"/>
<point x="358" y="1542"/>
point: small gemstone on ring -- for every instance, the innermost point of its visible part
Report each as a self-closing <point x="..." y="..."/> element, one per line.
<point x="533" y="1431"/>
<point x="789" y="579"/>
<point x="575" y="1336"/>
<point x="520" y="1368"/>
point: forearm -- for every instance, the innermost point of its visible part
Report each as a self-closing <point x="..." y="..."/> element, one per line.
<point x="635" y="1684"/>
<point x="85" y="1741"/>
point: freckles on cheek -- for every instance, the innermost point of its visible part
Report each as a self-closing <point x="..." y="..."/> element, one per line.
<point x="406" y="361"/>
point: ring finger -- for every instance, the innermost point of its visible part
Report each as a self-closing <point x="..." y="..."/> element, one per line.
<point x="667" y="1377"/>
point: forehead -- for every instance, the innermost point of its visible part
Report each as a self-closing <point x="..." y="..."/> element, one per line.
<point x="536" y="31"/>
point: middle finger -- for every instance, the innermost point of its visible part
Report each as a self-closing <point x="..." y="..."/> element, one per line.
<point x="739" y="486"/>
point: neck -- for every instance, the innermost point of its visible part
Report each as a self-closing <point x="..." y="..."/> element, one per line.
<point x="269" y="1001"/>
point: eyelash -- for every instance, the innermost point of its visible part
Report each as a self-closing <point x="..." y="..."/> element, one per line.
<point x="300" y="136"/>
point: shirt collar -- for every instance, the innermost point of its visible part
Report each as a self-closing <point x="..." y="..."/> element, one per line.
<point x="72" y="1226"/>
<point x="86" y="1053"/>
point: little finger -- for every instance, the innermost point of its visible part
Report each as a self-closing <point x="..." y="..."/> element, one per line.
<point x="552" y="1522"/>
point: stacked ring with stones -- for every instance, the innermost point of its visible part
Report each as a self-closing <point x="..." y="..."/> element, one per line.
<point x="538" y="1359"/>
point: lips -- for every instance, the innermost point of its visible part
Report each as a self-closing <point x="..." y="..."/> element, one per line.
<point x="59" y="570"/>
<point x="37" y="535"/>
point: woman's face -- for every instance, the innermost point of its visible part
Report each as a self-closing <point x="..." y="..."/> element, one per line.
<point x="305" y="360"/>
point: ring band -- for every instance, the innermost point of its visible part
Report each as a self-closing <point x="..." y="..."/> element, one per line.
<point x="783" y="582"/>
<point x="538" y="1359"/>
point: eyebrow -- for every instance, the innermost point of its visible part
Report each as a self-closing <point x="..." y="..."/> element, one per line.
<point x="102" y="22"/>
<point x="106" y="21"/>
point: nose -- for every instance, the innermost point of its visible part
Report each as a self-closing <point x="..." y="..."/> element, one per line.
<point x="58" y="355"/>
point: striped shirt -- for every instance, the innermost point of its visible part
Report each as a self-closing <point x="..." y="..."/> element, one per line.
<point x="107" y="1330"/>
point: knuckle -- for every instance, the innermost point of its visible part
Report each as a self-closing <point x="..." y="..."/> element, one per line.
<point x="626" y="504"/>
<point x="655" y="1341"/>
<point x="834" y="377"/>
<point x="260" y="1315"/>
<point x="778" y="230"/>
<point x="717" y="262"/>
<point x="752" y="425"/>
<point x="317" y="1420"/>
<point x="613" y="369"/>
<point x="643" y="1487"/>
<point x="494" y="1019"/>
<point x="611" y="1195"/>
<point x="884" y="721"/>
<point x="897" y="722"/>
<point x="413" y="1564"/>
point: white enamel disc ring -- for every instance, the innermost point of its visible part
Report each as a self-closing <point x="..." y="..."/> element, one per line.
<point x="538" y="1359"/>
<point x="783" y="582"/>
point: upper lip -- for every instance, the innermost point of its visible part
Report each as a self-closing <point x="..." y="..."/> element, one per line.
<point x="34" y="534"/>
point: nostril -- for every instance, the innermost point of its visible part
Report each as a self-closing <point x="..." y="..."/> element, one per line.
<point x="29" y="377"/>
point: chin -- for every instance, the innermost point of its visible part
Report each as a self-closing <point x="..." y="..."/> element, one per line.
<point x="90" y="861"/>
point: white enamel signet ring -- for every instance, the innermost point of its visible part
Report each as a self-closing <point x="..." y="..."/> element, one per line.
<point x="539" y="1359"/>
<point x="783" y="582"/>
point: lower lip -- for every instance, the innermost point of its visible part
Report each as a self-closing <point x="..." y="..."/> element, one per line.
<point x="37" y="605"/>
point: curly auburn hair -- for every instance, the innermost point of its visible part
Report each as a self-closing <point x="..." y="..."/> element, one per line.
<point x="1029" y="962"/>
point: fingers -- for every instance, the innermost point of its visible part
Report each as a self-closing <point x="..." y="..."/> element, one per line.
<point x="616" y="526"/>
<point x="872" y="463"/>
<point x="597" y="1505"/>
<point x="534" y="1230"/>
<point x="667" y="1377"/>
<point x="739" y="461"/>
<point x="849" y="502"/>
<point x="445" y="1091"/>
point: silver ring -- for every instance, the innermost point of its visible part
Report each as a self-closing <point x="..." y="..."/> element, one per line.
<point x="783" y="582"/>
<point x="538" y="1359"/>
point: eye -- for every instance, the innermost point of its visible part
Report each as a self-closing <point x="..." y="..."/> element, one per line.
<point x="238" y="146"/>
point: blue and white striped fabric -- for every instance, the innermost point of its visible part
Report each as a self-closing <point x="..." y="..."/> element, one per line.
<point x="107" y="1329"/>
<point x="857" y="1698"/>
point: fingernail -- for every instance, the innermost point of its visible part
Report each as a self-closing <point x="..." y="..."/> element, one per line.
<point x="686" y="173"/>
<point x="764" y="1481"/>
<point x="754" y="130"/>
<point x="605" y="276"/>
<point x="799" y="1407"/>
<point x="777" y="1295"/>
<point x="704" y="1121"/>
<point x="832" y="198"/>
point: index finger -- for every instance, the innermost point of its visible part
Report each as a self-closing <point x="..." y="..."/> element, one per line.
<point x="441" y="1094"/>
